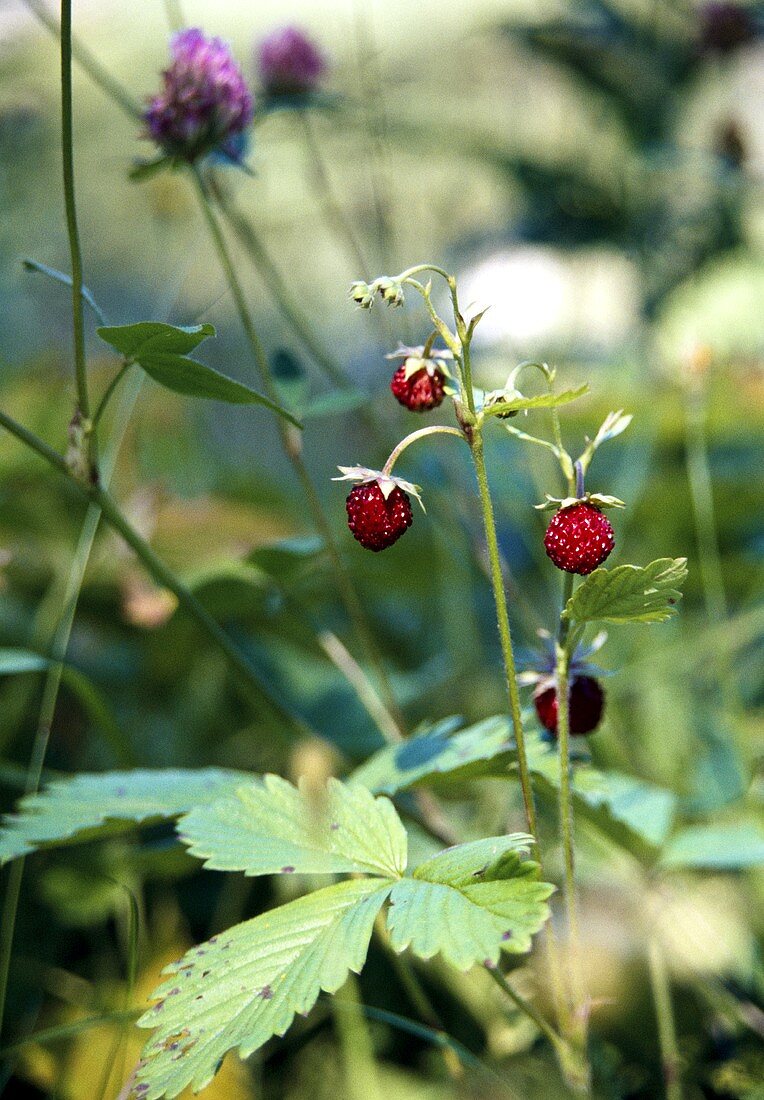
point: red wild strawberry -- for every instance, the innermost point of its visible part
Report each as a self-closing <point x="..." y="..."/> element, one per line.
<point x="420" y="391"/>
<point x="585" y="702"/>
<point x="376" y="520"/>
<point x="579" y="538"/>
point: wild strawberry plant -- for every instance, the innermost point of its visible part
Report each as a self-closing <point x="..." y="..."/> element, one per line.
<point x="470" y="902"/>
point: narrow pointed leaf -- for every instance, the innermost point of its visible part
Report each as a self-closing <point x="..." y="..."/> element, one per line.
<point x="629" y="593"/>
<point x="68" y="807"/>
<point x="540" y="401"/>
<point x="470" y="902"/>
<point x="247" y="984"/>
<point x="162" y="351"/>
<point x="272" y="827"/>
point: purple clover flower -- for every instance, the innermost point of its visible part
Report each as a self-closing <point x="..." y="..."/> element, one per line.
<point x="725" y="27"/>
<point x="289" y="63"/>
<point x="205" y="104"/>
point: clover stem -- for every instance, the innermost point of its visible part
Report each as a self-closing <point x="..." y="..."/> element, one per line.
<point x="70" y="206"/>
<point x="292" y="447"/>
<point x="109" y="392"/>
<point x="432" y="429"/>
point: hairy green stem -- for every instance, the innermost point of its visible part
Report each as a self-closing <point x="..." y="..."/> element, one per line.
<point x="292" y="447"/>
<point x="432" y="429"/>
<point x="659" y="984"/>
<point x="505" y="636"/>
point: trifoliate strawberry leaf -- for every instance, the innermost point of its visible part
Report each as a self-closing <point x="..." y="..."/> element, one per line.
<point x="162" y="351"/>
<point x="635" y="814"/>
<point x="247" y="984"/>
<point x="69" y="807"/>
<point x="730" y="846"/>
<point x="470" y="902"/>
<point x="271" y="827"/>
<point x="629" y="593"/>
<point x="487" y="747"/>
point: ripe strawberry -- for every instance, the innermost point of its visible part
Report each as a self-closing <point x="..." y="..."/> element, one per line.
<point x="376" y="520"/>
<point x="585" y="705"/>
<point x="579" y="538"/>
<point x="420" y="391"/>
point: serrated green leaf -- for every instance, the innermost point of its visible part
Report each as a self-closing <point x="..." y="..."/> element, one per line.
<point x="247" y="984"/>
<point x="469" y="903"/>
<point x="154" y="338"/>
<point x="629" y="593"/>
<point x="635" y="814"/>
<point x="67" y="807"/>
<point x="728" y="847"/>
<point x="272" y="827"/>
<point x="540" y="401"/>
<point x="487" y="746"/>
<point x="162" y="351"/>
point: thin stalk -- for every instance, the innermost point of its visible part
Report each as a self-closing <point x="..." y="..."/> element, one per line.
<point x="356" y="1046"/>
<point x="659" y="984"/>
<point x="525" y="1007"/>
<point x="58" y="648"/>
<point x="292" y="447"/>
<point x="334" y="215"/>
<point x="275" y="283"/>
<point x="109" y="392"/>
<point x="420" y="433"/>
<point x="70" y="206"/>
<point x="161" y="573"/>
<point x="92" y="66"/>
<point x="562" y="676"/>
<point x="702" y="497"/>
<point x="505" y="636"/>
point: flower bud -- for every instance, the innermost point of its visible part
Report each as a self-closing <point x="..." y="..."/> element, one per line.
<point x="362" y="294"/>
<point x="205" y="104"/>
<point x="289" y="63"/>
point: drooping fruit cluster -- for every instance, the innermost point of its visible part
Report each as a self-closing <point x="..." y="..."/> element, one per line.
<point x="586" y="701"/>
<point x="375" y="519"/>
<point x="421" y="391"/>
<point x="579" y="538"/>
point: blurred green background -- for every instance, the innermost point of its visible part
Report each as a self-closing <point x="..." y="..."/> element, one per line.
<point x="593" y="172"/>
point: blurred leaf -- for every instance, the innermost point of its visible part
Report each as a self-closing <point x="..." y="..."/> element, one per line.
<point x="485" y="748"/>
<point x="248" y="983"/>
<point x="629" y="593"/>
<point x="728" y="847"/>
<point x="161" y="350"/>
<point x="470" y="902"/>
<point x="272" y="827"/>
<point x="95" y="704"/>
<point x="67" y="807"/>
<point x="13" y="661"/>
<point x="334" y="404"/>
<point x="289" y="556"/>
<point x="635" y="814"/>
